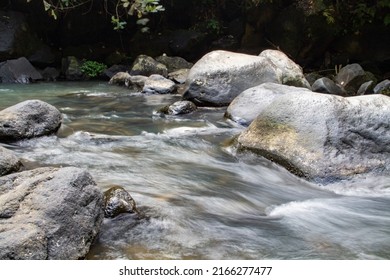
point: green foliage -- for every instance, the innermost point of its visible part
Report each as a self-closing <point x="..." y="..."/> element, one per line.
<point x="123" y="8"/>
<point x="92" y="68"/>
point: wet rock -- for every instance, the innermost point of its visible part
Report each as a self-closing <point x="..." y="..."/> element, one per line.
<point x="291" y="73"/>
<point x="326" y="85"/>
<point x="323" y="137"/>
<point x="180" y="108"/>
<point x="157" y="84"/>
<point x="251" y="102"/>
<point x="145" y="66"/>
<point x="18" y="71"/>
<point x="28" y="119"/>
<point x="9" y="162"/>
<point x="174" y="63"/>
<point x="383" y="88"/>
<point x="49" y="213"/>
<point x="219" y="76"/>
<point x="117" y="201"/>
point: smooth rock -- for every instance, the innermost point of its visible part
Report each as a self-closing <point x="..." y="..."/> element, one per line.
<point x="28" y="119"/>
<point x="220" y="76"/>
<point x="323" y="137"/>
<point x="251" y="102"/>
<point x="49" y="213"/>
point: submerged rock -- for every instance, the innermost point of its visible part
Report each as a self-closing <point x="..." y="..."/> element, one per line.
<point x="28" y="119"/>
<point x="49" y="213"/>
<point x="323" y="137"/>
<point x="9" y="162"/>
<point x="117" y="201"/>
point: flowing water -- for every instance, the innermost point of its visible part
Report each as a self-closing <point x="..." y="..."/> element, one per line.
<point x="202" y="200"/>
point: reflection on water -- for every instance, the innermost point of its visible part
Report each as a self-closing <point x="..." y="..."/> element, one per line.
<point x="201" y="199"/>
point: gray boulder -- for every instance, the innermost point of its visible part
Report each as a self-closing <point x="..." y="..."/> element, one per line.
<point x="174" y="63"/>
<point x="220" y="76"/>
<point x="323" y="137"/>
<point x="157" y="84"/>
<point x="18" y="71"/>
<point x="28" y="119"/>
<point x="9" y="162"/>
<point x="145" y="66"/>
<point x="251" y="102"/>
<point x="49" y="213"/>
<point x="326" y="85"/>
<point x="291" y="73"/>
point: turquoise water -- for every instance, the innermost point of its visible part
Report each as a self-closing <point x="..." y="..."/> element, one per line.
<point x="203" y="200"/>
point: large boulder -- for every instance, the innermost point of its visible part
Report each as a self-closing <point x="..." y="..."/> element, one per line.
<point x="251" y="102"/>
<point x="219" y="76"/>
<point x="291" y="73"/>
<point x="9" y="162"/>
<point x="18" y="71"/>
<point x="49" y="213"/>
<point x="28" y="119"/>
<point x="323" y="137"/>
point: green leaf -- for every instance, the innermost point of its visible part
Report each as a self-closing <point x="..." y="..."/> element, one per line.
<point x="46" y="5"/>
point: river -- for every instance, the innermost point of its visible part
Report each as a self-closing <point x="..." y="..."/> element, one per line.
<point x="201" y="199"/>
